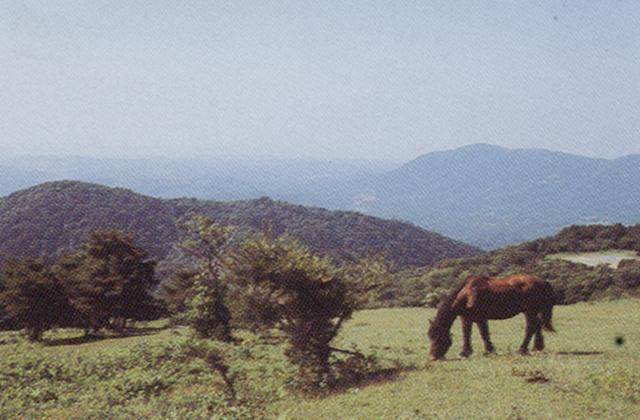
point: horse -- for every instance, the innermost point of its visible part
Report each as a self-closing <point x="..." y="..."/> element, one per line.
<point x="480" y="298"/>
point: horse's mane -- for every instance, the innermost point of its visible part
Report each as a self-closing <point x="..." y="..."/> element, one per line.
<point x="443" y="316"/>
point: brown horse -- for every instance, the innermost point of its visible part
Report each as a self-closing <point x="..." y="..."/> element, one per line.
<point x="482" y="298"/>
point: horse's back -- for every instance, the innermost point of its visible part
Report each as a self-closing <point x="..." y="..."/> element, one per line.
<point x="500" y="298"/>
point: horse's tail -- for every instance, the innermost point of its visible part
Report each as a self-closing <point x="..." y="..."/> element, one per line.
<point x="547" y="310"/>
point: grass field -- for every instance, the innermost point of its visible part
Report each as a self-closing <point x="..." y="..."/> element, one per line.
<point x="583" y="373"/>
<point x="611" y="257"/>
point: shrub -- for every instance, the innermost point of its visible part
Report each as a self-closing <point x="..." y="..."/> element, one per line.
<point x="433" y="298"/>
<point x="282" y="284"/>
<point x="627" y="275"/>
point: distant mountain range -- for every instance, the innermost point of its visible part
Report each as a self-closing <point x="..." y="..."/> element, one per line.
<point x="485" y="195"/>
<point x="51" y="218"/>
<point x="491" y="196"/>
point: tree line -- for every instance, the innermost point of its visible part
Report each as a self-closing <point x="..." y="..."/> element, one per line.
<point x="102" y="283"/>
<point x="265" y="283"/>
<point x="225" y="280"/>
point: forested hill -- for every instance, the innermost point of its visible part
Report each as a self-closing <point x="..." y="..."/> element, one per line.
<point x="49" y="218"/>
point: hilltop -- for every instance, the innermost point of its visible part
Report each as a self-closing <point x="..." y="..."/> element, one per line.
<point x="50" y="218"/>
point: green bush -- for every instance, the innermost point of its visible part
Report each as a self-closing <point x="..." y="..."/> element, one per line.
<point x="434" y="297"/>
<point x="627" y="276"/>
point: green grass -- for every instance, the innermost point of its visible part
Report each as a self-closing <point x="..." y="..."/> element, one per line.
<point x="583" y="373"/>
<point x="589" y="375"/>
<point x="610" y="257"/>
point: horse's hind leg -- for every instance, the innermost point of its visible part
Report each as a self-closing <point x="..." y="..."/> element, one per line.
<point x="538" y="340"/>
<point x="484" y="333"/>
<point x="466" y="336"/>
<point x="533" y="324"/>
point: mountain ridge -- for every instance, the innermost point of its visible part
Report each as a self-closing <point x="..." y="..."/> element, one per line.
<point x="51" y="218"/>
<point x="492" y="196"/>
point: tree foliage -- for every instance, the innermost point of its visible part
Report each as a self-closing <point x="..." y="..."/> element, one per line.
<point x="107" y="280"/>
<point x="628" y="274"/>
<point x="206" y="244"/>
<point x="177" y="291"/>
<point x="32" y="297"/>
<point x="282" y="284"/>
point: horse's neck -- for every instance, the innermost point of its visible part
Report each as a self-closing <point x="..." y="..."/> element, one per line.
<point x="445" y="317"/>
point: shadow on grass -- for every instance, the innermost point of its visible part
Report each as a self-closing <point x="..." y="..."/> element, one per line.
<point x="90" y="338"/>
<point x="379" y="376"/>
<point x="579" y="353"/>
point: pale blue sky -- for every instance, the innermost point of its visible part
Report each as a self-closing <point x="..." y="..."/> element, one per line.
<point x="387" y="80"/>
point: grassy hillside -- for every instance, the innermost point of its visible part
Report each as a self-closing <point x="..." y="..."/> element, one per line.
<point x="583" y="373"/>
<point x="573" y="281"/>
<point x="47" y="219"/>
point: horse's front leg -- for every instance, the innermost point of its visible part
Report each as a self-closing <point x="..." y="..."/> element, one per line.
<point x="532" y="325"/>
<point x="484" y="333"/>
<point x="466" y="336"/>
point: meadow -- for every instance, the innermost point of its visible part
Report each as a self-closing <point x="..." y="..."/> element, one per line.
<point x="590" y="368"/>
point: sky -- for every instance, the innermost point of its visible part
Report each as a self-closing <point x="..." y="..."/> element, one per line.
<point x="361" y="80"/>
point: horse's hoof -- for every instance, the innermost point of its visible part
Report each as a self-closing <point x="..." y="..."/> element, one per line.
<point x="490" y="352"/>
<point x="523" y="352"/>
<point x="465" y="354"/>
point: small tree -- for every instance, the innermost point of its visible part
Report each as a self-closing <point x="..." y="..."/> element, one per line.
<point x="281" y="283"/>
<point x="32" y="297"/>
<point x="108" y="280"/>
<point x="178" y="290"/>
<point x="206" y="245"/>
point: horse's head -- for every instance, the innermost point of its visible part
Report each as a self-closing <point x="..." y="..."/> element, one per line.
<point x="440" y="341"/>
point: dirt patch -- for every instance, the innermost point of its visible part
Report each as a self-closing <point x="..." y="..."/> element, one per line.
<point x="531" y="376"/>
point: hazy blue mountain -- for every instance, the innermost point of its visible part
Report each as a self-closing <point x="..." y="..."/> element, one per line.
<point x="491" y="196"/>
